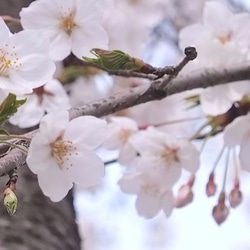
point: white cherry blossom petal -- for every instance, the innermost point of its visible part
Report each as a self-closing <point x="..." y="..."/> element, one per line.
<point x="32" y="44"/>
<point x="186" y="35"/>
<point x="236" y="131"/>
<point x="84" y="168"/>
<point x="160" y="170"/>
<point x="91" y="9"/>
<point x="54" y="184"/>
<point x="189" y="156"/>
<point x="147" y="205"/>
<point x="57" y="97"/>
<point x="28" y="66"/>
<point x="244" y="154"/>
<point x="127" y="155"/>
<point x="29" y="114"/>
<point x="94" y="36"/>
<point x="94" y="131"/>
<point x="168" y="202"/>
<point x="60" y="44"/>
<point x="216" y="15"/>
<point x="144" y="144"/>
<point x="70" y="25"/>
<point x="130" y="183"/>
<point x="60" y="122"/>
<point x="45" y="17"/>
<point x="120" y="130"/>
<point x="212" y="104"/>
<point x="39" y="157"/>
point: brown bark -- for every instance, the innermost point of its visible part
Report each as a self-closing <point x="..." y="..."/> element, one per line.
<point x="38" y="223"/>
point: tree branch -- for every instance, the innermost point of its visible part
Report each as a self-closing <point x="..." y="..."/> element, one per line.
<point x="160" y="89"/>
<point x="15" y="159"/>
<point x="197" y="79"/>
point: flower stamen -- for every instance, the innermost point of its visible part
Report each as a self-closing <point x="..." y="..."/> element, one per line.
<point x="62" y="151"/>
<point x="150" y="189"/>
<point x="8" y="61"/>
<point x="67" y="21"/>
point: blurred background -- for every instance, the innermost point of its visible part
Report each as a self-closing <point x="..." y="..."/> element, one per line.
<point x="107" y="217"/>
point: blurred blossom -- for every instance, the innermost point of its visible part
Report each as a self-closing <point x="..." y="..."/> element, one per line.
<point x="71" y="25"/>
<point x="238" y="133"/>
<point x="152" y="194"/>
<point x="165" y="154"/>
<point x="51" y="97"/>
<point x="89" y="89"/>
<point x="220" y="40"/>
<point x="120" y="130"/>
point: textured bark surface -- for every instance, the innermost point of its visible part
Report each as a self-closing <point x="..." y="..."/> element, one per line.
<point x="38" y="224"/>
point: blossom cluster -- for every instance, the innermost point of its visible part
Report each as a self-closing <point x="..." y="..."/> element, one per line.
<point x="33" y="62"/>
<point x="222" y="39"/>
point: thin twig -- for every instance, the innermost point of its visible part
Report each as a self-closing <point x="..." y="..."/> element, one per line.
<point x="11" y="19"/>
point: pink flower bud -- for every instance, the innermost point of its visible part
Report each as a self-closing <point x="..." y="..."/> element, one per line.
<point x="211" y="186"/>
<point x="235" y="197"/>
<point x="220" y="211"/>
<point x="184" y="196"/>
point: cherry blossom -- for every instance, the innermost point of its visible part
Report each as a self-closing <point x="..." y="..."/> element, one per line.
<point x="165" y="154"/>
<point x="24" y="60"/>
<point x="88" y="89"/>
<point x="71" y="25"/>
<point x="238" y="133"/>
<point x="219" y="42"/>
<point x="120" y="130"/>
<point x="219" y="99"/>
<point x="218" y="24"/>
<point x="61" y="153"/>
<point x="152" y="194"/>
<point x="49" y="98"/>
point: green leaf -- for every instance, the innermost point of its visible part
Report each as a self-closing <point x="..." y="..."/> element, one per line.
<point x="193" y="101"/>
<point x="4" y="132"/>
<point x="114" y="60"/>
<point x="9" y="107"/>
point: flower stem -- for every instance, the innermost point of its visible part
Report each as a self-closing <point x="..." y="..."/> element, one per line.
<point x="7" y="137"/>
<point x="15" y="146"/>
<point x="218" y="158"/>
<point x="226" y="168"/>
<point x="166" y="123"/>
<point x="197" y="133"/>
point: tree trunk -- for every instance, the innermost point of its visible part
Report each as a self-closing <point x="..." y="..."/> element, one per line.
<point x="38" y="224"/>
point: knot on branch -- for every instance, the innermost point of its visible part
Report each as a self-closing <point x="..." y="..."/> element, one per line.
<point x="190" y="53"/>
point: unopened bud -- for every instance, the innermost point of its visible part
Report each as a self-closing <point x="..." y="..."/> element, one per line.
<point x="220" y="211"/>
<point x="184" y="196"/>
<point x="211" y="186"/>
<point x="10" y="201"/>
<point x="235" y="197"/>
